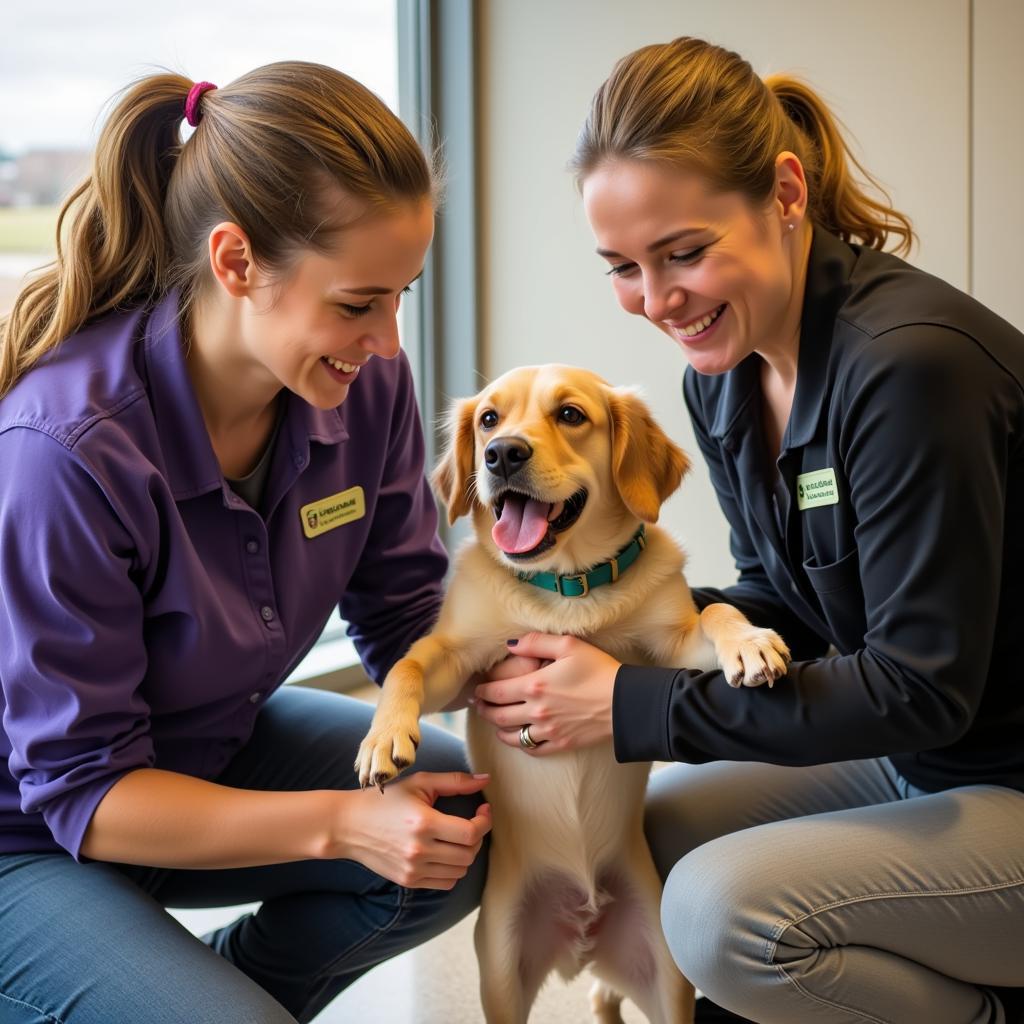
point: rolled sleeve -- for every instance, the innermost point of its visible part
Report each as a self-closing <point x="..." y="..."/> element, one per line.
<point x="71" y="628"/>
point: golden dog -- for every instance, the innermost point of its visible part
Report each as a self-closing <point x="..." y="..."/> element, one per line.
<point x="561" y="473"/>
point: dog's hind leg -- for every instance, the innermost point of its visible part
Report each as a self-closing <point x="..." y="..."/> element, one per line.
<point x="631" y="955"/>
<point x="518" y="941"/>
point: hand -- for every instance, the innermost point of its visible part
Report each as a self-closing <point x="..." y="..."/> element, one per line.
<point x="509" y="667"/>
<point x="567" y="703"/>
<point x="399" y="834"/>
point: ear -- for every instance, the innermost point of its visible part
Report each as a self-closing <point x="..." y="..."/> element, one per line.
<point x="790" y="187"/>
<point x="451" y="478"/>
<point x="231" y="260"/>
<point x="646" y="465"/>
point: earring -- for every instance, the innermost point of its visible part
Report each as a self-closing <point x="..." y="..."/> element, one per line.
<point x="792" y="226"/>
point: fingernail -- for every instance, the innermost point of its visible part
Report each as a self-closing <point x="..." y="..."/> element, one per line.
<point x="482" y="775"/>
<point x="512" y="643"/>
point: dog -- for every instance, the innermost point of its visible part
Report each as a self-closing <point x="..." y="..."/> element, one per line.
<point x="562" y="473"/>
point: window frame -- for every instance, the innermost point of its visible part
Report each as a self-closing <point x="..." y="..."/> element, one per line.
<point x="437" y="100"/>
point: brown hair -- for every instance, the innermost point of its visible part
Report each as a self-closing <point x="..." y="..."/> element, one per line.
<point x="691" y="102"/>
<point x="264" y="155"/>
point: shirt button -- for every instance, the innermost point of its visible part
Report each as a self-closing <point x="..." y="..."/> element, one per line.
<point x="255" y="698"/>
<point x="267" y="612"/>
<point x="300" y="459"/>
<point x="252" y="546"/>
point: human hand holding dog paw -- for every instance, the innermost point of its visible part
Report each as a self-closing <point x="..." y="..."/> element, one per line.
<point x="567" y="702"/>
<point x="398" y="833"/>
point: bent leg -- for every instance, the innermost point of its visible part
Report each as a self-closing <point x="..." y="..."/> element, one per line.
<point x="321" y="924"/>
<point x="83" y="945"/>
<point x="907" y="911"/>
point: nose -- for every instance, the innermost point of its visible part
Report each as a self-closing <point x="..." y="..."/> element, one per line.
<point x="505" y="456"/>
<point x="662" y="300"/>
<point x="383" y="340"/>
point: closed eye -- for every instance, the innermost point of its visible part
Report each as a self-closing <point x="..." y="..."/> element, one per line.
<point x="355" y="310"/>
<point x="688" y="257"/>
<point x="351" y="310"/>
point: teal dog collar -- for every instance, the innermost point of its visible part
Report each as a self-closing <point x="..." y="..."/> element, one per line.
<point x="580" y="584"/>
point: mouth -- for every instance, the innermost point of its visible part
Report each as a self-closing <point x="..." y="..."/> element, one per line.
<point x="698" y="328"/>
<point x="339" y="370"/>
<point x="526" y="526"/>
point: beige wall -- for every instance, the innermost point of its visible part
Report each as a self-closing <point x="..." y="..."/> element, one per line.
<point x="897" y="73"/>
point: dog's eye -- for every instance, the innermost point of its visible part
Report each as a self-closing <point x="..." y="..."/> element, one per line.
<point x="571" y="415"/>
<point x="489" y="419"/>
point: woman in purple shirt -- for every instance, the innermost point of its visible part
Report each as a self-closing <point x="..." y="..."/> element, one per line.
<point x="208" y="439"/>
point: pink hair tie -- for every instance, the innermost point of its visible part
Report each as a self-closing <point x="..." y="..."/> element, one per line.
<point x="192" y="114"/>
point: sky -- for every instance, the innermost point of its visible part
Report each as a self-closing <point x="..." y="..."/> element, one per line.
<point x="61" y="61"/>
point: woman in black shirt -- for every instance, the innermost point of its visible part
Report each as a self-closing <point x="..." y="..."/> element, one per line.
<point x="848" y="845"/>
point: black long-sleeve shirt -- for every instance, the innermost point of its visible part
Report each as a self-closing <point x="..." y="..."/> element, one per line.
<point x="912" y="393"/>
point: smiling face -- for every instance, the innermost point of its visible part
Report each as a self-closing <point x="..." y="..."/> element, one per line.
<point x="333" y="313"/>
<point x="312" y="327"/>
<point x="714" y="273"/>
<point x="557" y="468"/>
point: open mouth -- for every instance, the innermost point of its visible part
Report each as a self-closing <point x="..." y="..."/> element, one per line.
<point x="527" y="526"/>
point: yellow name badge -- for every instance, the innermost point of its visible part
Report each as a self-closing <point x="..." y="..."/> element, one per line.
<point x="337" y="510"/>
<point x="817" y="488"/>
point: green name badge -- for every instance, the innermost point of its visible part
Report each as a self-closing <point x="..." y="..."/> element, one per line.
<point x="817" y="488"/>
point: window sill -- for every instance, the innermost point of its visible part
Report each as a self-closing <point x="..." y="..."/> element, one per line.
<point x="331" y="665"/>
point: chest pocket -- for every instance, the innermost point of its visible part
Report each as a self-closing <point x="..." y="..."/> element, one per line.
<point x="838" y="589"/>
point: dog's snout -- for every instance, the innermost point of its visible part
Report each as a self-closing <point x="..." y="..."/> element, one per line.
<point x="505" y="456"/>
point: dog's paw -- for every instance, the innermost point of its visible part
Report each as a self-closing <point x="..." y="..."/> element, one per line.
<point x="388" y="749"/>
<point x="758" y="656"/>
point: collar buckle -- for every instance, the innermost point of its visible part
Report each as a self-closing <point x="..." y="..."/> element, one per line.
<point x="580" y="578"/>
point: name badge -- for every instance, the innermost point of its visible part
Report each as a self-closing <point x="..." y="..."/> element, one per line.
<point x="337" y="510"/>
<point x="817" y="488"/>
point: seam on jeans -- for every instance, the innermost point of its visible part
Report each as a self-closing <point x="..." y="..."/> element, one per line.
<point x="34" y="1009"/>
<point x="325" y="972"/>
<point x="782" y="925"/>
<point x="860" y="1014"/>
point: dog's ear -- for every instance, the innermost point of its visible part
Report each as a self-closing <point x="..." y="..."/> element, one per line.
<point x="451" y="478"/>
<point x="646" y="465"/>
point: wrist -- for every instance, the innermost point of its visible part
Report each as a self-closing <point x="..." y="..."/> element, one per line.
<point x="332" y="834"/>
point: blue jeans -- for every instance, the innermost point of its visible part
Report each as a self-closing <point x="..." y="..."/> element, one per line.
<point x="92" y="943"/>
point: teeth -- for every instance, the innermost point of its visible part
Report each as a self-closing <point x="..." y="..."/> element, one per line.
<point x="700" y="325"/>
<point x="339" y="365"/>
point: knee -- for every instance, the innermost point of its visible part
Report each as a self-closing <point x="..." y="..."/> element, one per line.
<point x="716" y="917"/>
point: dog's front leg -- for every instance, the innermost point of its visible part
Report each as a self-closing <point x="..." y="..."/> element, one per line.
<point x="748" y="654"/>
<point x="426" y="679"/>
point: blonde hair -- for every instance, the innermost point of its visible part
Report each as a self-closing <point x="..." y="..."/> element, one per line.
<point x="264" y="155"/>
<point x="690" y="102"/>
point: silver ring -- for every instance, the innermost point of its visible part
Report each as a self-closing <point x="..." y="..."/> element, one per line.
<point x="526" y="741"/>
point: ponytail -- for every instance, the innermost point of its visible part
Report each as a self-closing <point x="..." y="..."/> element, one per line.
<point x="270" y="153"/>
<point x="701" y="106"/>
<point x="112" y="248"/>
<point x="837" y="202"/>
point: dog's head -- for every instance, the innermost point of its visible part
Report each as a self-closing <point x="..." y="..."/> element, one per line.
<point x="556" y="467"/>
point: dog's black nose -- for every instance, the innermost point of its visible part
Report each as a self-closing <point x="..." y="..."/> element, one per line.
<point x="505" y="456"/>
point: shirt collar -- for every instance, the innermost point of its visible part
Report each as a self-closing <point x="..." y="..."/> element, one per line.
<point x="829" y="268"/>
<point x="192" y="466"/>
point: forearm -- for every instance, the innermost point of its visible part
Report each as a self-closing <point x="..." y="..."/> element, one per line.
<point x="165" y="819"/>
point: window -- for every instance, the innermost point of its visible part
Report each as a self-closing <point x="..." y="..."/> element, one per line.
<point x="62" y="62"/>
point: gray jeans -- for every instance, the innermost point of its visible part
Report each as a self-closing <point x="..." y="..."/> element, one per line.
<point x="839" y="893"/>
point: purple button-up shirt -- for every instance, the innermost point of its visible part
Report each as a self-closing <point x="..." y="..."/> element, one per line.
<point x="147" y="611"/>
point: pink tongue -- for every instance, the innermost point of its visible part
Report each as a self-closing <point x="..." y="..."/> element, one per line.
<point x="522" y="525"/>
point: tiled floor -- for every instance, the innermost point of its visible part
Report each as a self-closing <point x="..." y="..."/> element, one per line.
<point x="438" y="982"/>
